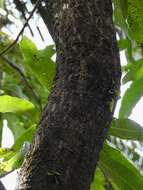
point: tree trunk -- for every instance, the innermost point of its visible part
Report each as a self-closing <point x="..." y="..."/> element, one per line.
<point x="77" y="117"/>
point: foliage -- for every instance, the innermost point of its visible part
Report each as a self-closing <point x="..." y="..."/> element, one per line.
<point x="39" y="62"/>
<point x="126" y="129"/>
<point x="22" y="95"/>
<point x="26" y="75"/>
<point x="99" y="181"/>
<point x="14" y="105"/>
<point x="119" y="170"/>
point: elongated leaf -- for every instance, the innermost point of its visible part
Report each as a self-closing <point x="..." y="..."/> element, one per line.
<point x="135" y="71"/>
<point x="124" y="7"/>
<point x="14" y="104"/>
<point x="120" y="11"/>
<point x="26" y="136"/>
<point x="125" y="44"/>
<point x="131" y="97"/>
<point x="126" y="129"/>
<point x="99" y="181"/>
<point x="119" y="170"/>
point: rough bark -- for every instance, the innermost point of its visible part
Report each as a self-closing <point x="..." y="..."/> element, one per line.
<point x="77" y="117"/>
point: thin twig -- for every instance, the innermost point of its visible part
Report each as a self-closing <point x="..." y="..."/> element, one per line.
<point x="15" y="67"/>
<point x="40" y="33"/>
<point x="21" y="31"/>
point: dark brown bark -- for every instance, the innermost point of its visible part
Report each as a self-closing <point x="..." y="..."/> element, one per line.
<point x="76" y="119"/>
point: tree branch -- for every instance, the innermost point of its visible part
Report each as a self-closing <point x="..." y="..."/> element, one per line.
<point x="22" y="30"/>
<point x="47" y="15"/>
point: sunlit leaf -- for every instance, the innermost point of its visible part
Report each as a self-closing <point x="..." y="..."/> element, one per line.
<point x="1" y="128"/>
<point x="14" y="105"/>
<point x="126" y="129"/>
<point x="98" y="181"/>
<point x="28" y="47"/>
<point x="4" y="151"/>
<point x="120" y="9"/>
<point x="135" y="71"/>
<point x="11" y="164"/>
<point x="39" y="62"/>
<point x="131" y="97"/>
<point x="119" y="170"/>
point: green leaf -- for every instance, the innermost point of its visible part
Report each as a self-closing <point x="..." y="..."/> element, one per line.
<point x="119" y="170"/>
<point x="10" y="84"/>
<point x="126" y="129"/>
<point x="15" y="124"/>
<point x="120" y="9"/>
<point x="131" y="97"/>
<point x="15" y="105"/>
<point x="124" y="7"/>
<point x="39" y="62"/>
<point x="98" y="181"/>
<point x="48" y="51"/>
<point x="1" y="128"/>
<point x="26" y="136"/>
<point x="135" y="71"/>
<point x="2" y="4"/>
<point x="134" y="19"/>
<point x="13" y="163"/>
<point x="4" y="151"/>
<point x="124" y="44"/>
<point x="29" y="49"/>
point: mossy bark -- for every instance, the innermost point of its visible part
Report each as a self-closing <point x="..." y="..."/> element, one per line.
<point x="80" y="108"/>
